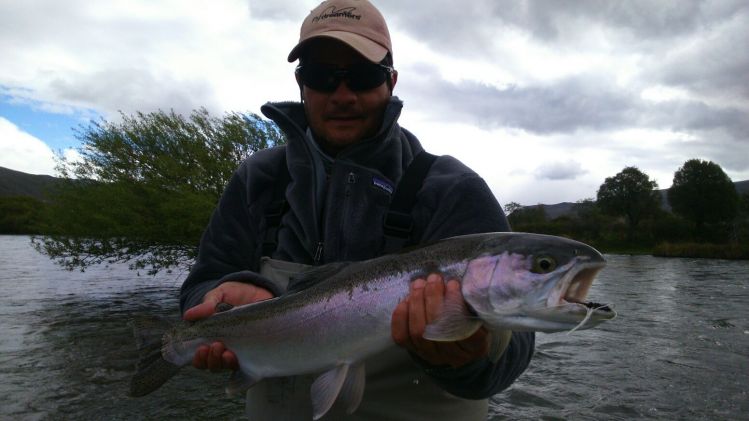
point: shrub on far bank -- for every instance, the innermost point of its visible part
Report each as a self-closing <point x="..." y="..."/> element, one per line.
<point x="703" y="250"/>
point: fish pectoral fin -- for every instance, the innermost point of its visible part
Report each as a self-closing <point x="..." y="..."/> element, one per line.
<point x="353" y="388"/>
<point x="454" y="324"/>
<point x="326" y="388"/>
<point x="239" y="382"/>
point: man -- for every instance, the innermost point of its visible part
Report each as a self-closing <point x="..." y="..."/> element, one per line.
<point x="345" y="155"/>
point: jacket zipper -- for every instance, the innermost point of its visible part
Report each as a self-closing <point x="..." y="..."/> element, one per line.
<point x="350" y="181"/>
<point x="318" y="252"/>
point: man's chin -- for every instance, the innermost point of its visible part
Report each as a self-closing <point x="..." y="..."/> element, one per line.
<point x="340" y="139"/>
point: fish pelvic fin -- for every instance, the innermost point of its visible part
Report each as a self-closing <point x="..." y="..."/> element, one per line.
<point x="455" y="323"/>
<point x="152" y="370"/>
<point x="353" y="388"/>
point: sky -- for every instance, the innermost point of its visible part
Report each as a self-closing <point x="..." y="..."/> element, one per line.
<point x="544" y="99"/>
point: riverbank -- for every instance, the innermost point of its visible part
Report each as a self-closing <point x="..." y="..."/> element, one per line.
<point x="703" y="250"/>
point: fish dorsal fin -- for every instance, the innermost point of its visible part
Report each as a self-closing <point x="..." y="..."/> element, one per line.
<point x="454" y="324"/>
<point x="308" y="278"/>
<point x="353" y="388"/>
<point x="325" y="390"/>
<point x="239" y="382"/>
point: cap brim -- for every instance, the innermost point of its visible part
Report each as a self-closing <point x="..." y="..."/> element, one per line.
<point x="371" y="50"/>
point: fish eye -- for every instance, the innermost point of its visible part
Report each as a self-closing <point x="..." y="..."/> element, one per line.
<point x="544" y="264"/>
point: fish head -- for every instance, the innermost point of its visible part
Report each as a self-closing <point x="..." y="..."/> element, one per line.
<point x="534" y="282"/>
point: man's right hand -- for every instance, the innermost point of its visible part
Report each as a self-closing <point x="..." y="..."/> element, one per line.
<point x="216" y="357"/>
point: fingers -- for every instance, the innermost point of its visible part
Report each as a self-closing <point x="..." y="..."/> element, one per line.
<point x="423" y="306"/>
<point x="399" y="324"/>
<point x="434" y="295"/>
<point x="202" y="310"/>
<point x="215" y="358"/>
<point x="232" y="293"/>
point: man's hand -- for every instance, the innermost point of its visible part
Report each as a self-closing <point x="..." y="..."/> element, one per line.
<point x="216" y="357"/>
<point x="422" y="306"/>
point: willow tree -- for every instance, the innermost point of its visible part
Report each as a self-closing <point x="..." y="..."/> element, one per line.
<point x="630" y="193"/>
<point x="144" y="188"/>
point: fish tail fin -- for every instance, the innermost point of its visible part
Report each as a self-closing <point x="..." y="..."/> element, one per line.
<point x="152" y="369"/>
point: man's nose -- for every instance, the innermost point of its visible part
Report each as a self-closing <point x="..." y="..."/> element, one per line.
<point x="343" y="94"/>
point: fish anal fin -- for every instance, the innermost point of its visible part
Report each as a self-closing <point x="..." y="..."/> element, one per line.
<point x="326" y="388"/>
<point x="353" y="388"/>
<point x="239" y="382"/>
<point x="454" y="323"/>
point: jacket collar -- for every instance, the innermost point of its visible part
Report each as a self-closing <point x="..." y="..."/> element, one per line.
<point x="291" y="119"/>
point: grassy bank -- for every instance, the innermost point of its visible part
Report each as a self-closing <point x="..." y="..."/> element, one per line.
<point x="704" y="250"/>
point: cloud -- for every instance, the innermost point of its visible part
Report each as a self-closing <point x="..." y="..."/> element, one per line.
<point x="713" y="65"/>
<point x="21" y="151"/>
<point x="471" y="24"/>
<point x="560" y="171"/>
<point x="132" y="89"/>
<point x="290" y="10"/>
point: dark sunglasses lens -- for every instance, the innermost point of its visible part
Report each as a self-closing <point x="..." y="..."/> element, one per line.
<point x="360" y="77"/>
<point x="366" y="76"/>
<point x="319" y="78"/>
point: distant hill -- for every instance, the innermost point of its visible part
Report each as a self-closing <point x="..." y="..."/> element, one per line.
<point x="17" y="183"/>
<point x="569" y="209"/>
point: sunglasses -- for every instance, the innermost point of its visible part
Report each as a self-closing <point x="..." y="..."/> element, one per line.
<point x="358" y="77"/>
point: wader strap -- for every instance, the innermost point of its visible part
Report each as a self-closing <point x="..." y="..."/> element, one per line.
<point x="398" y="225"/>
<point x="276" y="208"/>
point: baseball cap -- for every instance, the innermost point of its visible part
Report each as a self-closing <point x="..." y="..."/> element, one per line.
<point x="357" y="23"/>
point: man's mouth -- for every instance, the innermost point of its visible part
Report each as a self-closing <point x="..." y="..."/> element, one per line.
<point x="343" y="117"/>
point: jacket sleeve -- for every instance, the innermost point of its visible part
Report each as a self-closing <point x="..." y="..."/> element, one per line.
<point x="229" y="246"/>
<point x="467" y="207"/>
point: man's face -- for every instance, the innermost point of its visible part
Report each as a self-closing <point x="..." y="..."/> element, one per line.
<point x="342" y="117"/>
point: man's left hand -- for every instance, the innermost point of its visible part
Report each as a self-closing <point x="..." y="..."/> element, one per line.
<point x="422" y="306"/>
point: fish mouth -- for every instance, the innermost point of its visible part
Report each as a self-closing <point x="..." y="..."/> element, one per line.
<point x="572" y="290"/>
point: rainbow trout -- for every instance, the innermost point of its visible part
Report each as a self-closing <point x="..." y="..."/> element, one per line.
<point x="337" y="315"/>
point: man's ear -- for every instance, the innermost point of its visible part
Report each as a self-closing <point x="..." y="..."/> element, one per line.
<point x="393" y="80"/>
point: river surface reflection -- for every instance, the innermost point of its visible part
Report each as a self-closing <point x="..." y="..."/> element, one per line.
<point x="678" y="350"/>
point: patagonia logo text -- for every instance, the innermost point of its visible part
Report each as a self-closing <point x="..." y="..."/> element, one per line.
<point x="382" y="184"/>
<point x="332" y="12"/>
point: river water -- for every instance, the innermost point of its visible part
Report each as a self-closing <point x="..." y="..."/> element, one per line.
<point x="678" y="350"/>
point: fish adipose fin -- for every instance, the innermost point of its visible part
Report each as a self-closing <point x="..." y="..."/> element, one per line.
<point x="152" y="370"/>
<point x="348" y="381"/>
<point x="454" y="324"/>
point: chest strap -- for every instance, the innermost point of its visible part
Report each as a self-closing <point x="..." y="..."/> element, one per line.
<point x="398" y="225"/>
<point x="276" y="208"/>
